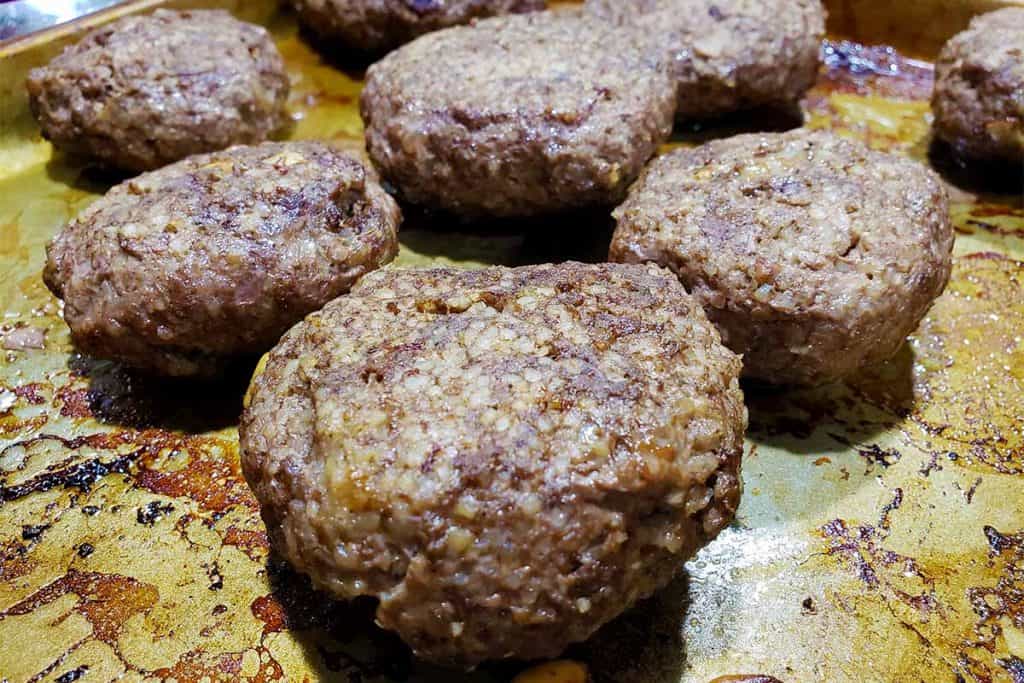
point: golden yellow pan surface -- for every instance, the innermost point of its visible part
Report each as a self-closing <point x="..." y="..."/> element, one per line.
<point x="881" y="536"/>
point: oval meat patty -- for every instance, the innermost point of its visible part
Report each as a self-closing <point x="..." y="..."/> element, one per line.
<point x="530" y="114"/>
<point x="813" y="254"/>
<point x="217" y="255"/>
<point x="145" y="91"/>
<point x="506" y="458"/>
<point x="730" y="55"/>
<point x="375" y="25"/>
<point x="979" y="88"/>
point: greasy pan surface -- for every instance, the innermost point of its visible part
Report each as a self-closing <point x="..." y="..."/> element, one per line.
<point x="881" y="537"/>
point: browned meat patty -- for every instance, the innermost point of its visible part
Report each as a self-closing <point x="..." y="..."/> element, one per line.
<point x="979" y="88"/>
<point x="813" y="254"/>
<point x="386" y="24"/>
<point x="530" y="114"/>
<point x="146" y="91"/>
<point x="730" y="55"/>
<point x="506" y="459"/>
<point x="219" y="254"/>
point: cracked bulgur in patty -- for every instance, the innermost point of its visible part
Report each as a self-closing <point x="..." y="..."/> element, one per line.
<point x="531" y="114"/>
<point x="979" y="88"/>
<point x="814" y="255"/>
<point x="145" y="91"/>
<point x="505" y="459"/>
<point x="177" y="270"/>
<point x="730" y="55"/>
<point x="375" y="25"/>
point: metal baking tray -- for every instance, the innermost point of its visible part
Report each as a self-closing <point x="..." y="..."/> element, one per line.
<point x="881" y="534"/>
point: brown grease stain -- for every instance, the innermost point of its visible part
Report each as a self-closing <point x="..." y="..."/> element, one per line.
<point x="30" y="393"/>
<point x="106" y="600"/>
<point x="74" y="402"/>
<point x="254" y="544"/>
<point x="982" y="215"/>
<point x="561" y="671"/>
<point x="993" y="210"/>
<point x="12" y="426"/>
<point x="213" y="481"/>
<point x="200" y="667"/>
<point x="14" y="561"/>
<point x="271" y="612"/>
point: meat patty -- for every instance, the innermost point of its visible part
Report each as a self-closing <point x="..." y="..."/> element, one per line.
<point x="146" y="91"/>
<point x="375" y="25"/>
<point x="531" y="114"/>
<point x="730" y="55"/>
<point x="979" y="88"/>
<point x="506" y="458"/>
<point x="219" y="254"/>
<point x="813" y="254"/>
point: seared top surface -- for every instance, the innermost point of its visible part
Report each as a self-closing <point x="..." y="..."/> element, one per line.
<point x="221" y="252"/>
<point x="547" y="69"/>
<point x="789" y="222"/>
<point x="578" y="377"/>
<point x="145" y="91"/>
<point x="729" y="54"/>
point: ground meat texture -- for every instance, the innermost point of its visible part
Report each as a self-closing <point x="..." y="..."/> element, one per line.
<point x="219" y="254"/>
<point x="812" y="254"/>
<point x="376" y="25"/>
<point x="730" y="55"/>
<point x="505" y="458"/>
<point x="530" y="114"/>
<point x="979" y="88"/>
<point x="146" y="91"/>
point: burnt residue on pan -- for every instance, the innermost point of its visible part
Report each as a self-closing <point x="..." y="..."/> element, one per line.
<point x="880" y="537"/>
<point x="966" y="610"/>
<point x="967" y="392"/>
<point x="999" y="608"/>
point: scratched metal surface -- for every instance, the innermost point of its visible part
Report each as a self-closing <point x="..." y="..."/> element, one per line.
<point x="881" y="536"/>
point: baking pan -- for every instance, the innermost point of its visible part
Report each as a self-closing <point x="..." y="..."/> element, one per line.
<point x="881" y="534"/>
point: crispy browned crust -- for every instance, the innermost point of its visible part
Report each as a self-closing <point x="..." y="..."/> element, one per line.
<point x="730" y="55"/>
<point x="146" y="91"/>
<point x="813" y="255"/>
<point x="979" y="88"/>
<point x="505" y="458"/>
<point x="531" y="114"/>
<point x="376" y="25"/>
<point x="219" y="254"/>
